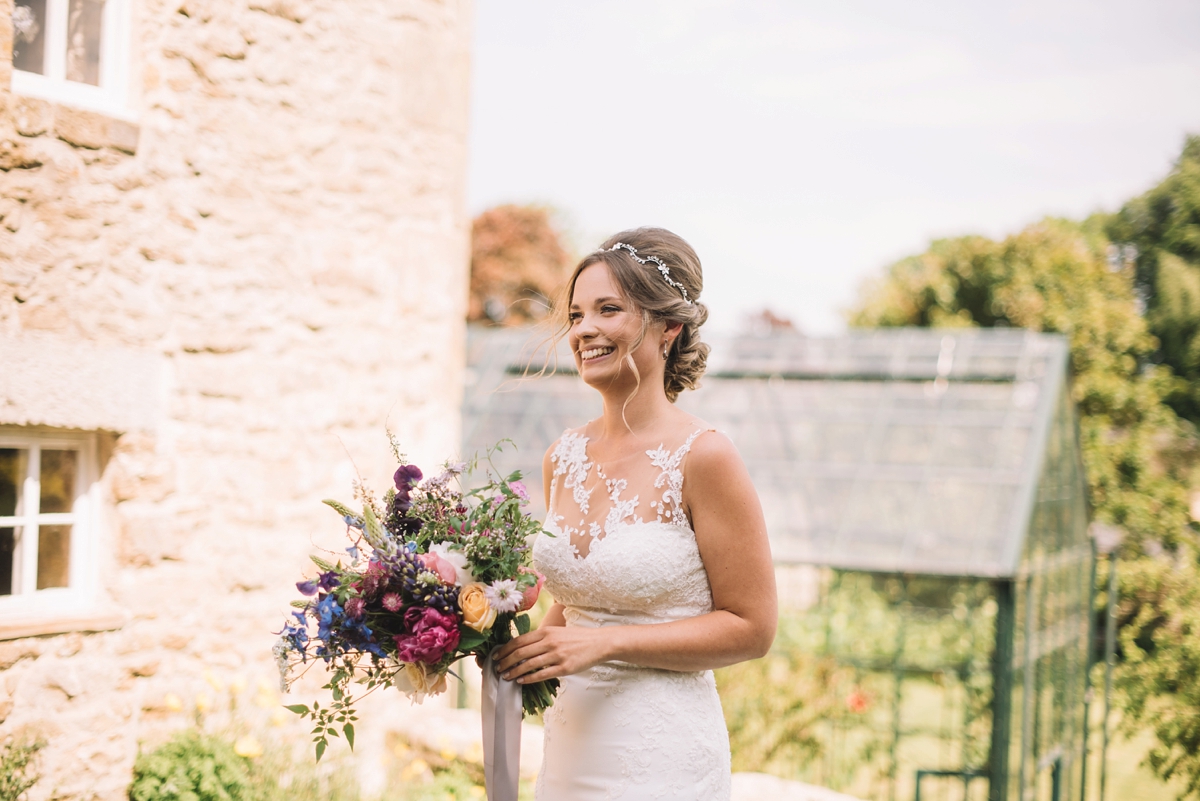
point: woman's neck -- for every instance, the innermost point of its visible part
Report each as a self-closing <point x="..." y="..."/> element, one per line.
<point x="625" y="416"/>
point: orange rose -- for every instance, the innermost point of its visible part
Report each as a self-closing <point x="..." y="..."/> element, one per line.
<point x="477" y="612"/>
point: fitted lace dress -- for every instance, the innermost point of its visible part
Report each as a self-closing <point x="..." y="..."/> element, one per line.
<point x="623" y="552"/>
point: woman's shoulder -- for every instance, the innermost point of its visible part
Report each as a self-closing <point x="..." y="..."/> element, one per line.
<point x="711" y="451"/>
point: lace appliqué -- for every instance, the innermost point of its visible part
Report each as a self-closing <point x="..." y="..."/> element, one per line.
<point x="669" y="508"/>
<point x="571" y="456"/>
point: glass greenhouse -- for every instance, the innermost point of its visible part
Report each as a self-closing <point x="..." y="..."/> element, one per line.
<point x="929" y="484"/>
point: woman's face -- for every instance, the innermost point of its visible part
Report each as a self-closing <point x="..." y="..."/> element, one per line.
<point x="604" y="327"/>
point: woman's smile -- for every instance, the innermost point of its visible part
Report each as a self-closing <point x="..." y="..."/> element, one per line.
<point x="590" y="354"/>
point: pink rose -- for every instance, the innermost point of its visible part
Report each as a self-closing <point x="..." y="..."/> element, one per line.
<point x="434" y="563"/>
<point x="531" y="594"/>
<point x="432" y="636"/>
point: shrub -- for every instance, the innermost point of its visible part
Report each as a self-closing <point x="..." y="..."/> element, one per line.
<point x="192" y="766"/>
<point x="16" y="772"/>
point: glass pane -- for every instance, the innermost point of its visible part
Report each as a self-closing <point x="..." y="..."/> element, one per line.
<point x="83" y="41"/>
<point x="29" y="36"/>
<point x="12" y="476"/>
<point x="58" y="481"/>
<point x="54" y="556"/>
<point x="8" y="542"/>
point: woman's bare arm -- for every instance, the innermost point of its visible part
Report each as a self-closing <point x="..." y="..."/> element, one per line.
<point x="732" y="538"/>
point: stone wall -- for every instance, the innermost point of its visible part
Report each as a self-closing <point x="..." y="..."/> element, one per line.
<point x="280" y="223"/>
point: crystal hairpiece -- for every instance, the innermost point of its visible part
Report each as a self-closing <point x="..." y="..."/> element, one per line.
<point x="662" y="268"/>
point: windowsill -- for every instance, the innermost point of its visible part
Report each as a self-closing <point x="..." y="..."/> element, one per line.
<point x="80" y="115"/>
<point x="26" y="619"/>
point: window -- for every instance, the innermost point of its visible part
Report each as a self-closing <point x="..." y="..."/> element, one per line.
<point x="72" y="51"/>
<point x="48" y="572"/>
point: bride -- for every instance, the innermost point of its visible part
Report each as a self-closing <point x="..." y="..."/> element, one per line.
<point x="655" y="548"/>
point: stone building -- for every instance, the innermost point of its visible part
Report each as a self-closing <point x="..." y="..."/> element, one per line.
<point x="233" y="248"/>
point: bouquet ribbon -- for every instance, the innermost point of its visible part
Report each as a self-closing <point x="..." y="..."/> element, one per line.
<point x="501" y="734"/>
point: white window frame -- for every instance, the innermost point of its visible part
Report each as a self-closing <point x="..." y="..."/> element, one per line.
<point x="82" y="588"/>
<point x="111" y="97"/>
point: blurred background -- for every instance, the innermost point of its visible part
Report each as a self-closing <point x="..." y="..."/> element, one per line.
<point x="952" y="255"/>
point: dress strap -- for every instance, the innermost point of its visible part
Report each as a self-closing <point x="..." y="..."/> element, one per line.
<point x="670" y="479"/>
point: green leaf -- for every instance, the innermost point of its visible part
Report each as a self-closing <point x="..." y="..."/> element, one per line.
<point x="299" y="709"/>
<point x="523" y="624"/>
<point x="321" y="745"/>
<point x="321" y="563"/>
<point x="469" y="638"/>
<point x="348" y="729"/>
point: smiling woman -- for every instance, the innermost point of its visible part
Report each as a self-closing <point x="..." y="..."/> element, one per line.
<point x="650" y="596"/>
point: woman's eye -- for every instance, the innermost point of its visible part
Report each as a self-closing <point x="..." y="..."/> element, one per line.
<point x="607" y="309"/>
<point x="574" y="317"/>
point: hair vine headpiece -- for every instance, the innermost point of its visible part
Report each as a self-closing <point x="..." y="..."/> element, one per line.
<point x="662" y="268"/>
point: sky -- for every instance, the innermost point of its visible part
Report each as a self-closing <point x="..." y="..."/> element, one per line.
<point x="801" y="147"/>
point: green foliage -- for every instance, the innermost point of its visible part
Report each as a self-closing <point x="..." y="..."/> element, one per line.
<point x="192" y="766"/>
<point x="1055" y="276"/>
<point x="1164" y="225"/>
<point x="17" y="772"/>
<point x="1161" y="647"/>
<point x="196" y="766"/>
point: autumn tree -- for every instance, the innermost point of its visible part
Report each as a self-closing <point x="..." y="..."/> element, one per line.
<point x="518" y="262"/>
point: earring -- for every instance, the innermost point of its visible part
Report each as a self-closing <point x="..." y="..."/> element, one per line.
<point x="666" y="349"/>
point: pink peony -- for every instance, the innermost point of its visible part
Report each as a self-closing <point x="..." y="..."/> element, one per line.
<point x="434" y="563"/>
<point x="531" y="593"/>
<point x="432" y="636"/>
<point x="392" y="602"/>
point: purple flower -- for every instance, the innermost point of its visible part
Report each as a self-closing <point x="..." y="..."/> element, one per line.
<point x="307" y="587"/>
<point x="328" y="580"/>
<point x="355" y="607"/>
<point x="406" y="477"/>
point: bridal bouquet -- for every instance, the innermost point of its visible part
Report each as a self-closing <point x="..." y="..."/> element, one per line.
<point x="433" y="573"/>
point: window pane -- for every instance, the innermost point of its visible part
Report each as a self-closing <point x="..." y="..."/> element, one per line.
<point x="58" y="481"/>
<point x="83" y="41"/>
<point x="29" y="36"/>
<point x="8" y="541"/>
<point x="54" y="556"/>
<point x="12" y="476"/>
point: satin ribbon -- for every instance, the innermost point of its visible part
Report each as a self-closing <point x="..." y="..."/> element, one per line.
<point x="501" y="734"/>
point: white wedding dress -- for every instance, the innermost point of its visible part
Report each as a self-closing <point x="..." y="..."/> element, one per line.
<point x="619" y="731"/>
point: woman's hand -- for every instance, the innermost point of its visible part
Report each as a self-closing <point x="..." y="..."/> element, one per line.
<point x="552" y="652"/>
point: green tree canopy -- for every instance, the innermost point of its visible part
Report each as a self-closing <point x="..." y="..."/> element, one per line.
<point x="1164" y="226"/>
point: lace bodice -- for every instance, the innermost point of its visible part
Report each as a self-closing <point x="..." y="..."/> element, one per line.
<point x="604" y="555"/>
<point x="618" y="550"/>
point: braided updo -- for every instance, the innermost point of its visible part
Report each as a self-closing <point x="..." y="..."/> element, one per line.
<point x="645" y="286"/>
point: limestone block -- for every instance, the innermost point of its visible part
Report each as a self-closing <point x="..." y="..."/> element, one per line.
<point x="149" y="533"/>
<point x="32" y="116"/>
<point x="138" y="471"/>
<point x="13" y="652"/>
<point x="91" y="130"/>
<point x="58" y="382"/>
<point x="16" y="154"/>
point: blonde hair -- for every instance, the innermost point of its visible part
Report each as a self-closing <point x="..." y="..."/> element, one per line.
<point x="643" y="285"/>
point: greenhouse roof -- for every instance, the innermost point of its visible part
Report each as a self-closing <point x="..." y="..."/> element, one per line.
<point x="895" y="450"/>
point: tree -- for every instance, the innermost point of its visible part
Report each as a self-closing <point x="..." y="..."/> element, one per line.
<point x="1164" y="226"/>
<point x="1055" y="276"/>
<point x="518" y="262"/>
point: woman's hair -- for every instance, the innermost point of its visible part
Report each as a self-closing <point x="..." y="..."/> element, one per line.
<point x="647" y="288"/>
